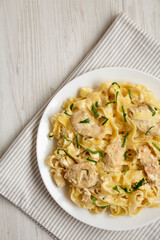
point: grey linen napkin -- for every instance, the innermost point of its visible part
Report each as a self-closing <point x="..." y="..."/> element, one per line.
<point x="123" y="45"/>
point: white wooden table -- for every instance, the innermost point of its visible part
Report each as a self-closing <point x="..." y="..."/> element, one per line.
<point x="41" y="41"/>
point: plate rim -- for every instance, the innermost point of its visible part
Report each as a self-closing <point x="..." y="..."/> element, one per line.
<point x="64" y="84"/>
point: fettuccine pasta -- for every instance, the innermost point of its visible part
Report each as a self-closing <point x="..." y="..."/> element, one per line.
<point x="108" y="148"/>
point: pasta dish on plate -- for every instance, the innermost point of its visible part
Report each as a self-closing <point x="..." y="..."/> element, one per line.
<point x="108" y="148"/>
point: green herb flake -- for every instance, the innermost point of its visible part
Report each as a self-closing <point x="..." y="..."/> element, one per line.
<point x="65" y="138"/>
<point x="117" y="95"/>
<point x="158" y="160"/>
<point x="129" y="93"/>
<point x="111" y="102"/>
<point x="156" y="146"/>
<point x="134" y="187"/>
<point x="106" y="119"/>
<point x="124" y="114"/>
<point x="116" y="84"/>
<point x="50" y="136"/>
<point x="125" y="189"/>
<point x="126" y="171"/>
<point x="94" y="152"/>
<point x="86" y="170"/>
<point x="103" y="207"/>
<point x="150" y="108"/>
<point x="124" y="140"/>
<point x="77" y="141"/>
<point x="64" y="152"/>
<point x="66" y="113"/>
<point x="125" y="155"/>
<point x="71" y="106"/>
<point x="149" y="130"/>
<point x="138" y="185"/>
<point x="96" y="104"/>
<point x="94" y="111"/>
<point x="152" y="111"/>
<point x="116" y="188"/>
<point x="91" y="160"/>
<point x="87" y="120"/>
<point x="94" y="200"/>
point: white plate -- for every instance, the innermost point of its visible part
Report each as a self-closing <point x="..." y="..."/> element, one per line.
<point x="44" y="146"/>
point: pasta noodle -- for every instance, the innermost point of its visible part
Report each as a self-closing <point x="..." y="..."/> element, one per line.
<point x="108" y="148"/>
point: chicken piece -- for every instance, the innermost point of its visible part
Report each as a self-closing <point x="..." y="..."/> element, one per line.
<point x="91" y="129"/>
<point x="150" y="164"/>
<point x="114" y="155"/>
<point x="86" y="195"/>
<point x="143" y="119"/>
<point x="82" y="175"/>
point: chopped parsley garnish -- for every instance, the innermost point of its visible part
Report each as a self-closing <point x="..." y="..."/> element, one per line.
<point x="156" y="146"/>
<point x="138" y="185"/>
<point x="158" y="160"/>
<point x="149" y="130"/>
<point x="103" y="207"/>
<point x="126" y="171"/>
<point x="106" y="119"/>
<point x="64" y="152"/>
<point x="124" y="140"/>
<point x="129" y="93"/>
<point x="86" y="170"/>
<point x="66" y="113"/>
<point x="77" y="141"/>
<point x="87" y="120"/>
<point x="117" y="95"/>
<point x="71" y="106"/>
<point x="125" y="155"/>
<point x="125" y="189"/>
<point x="94" y="111"/>
<point x="65" y="138"/>
<point x="150" y="108"/>
<point x="116" y="84"/>
<point x="152" y="111"/>
<point x="96" y="104"/>
<point x="94" y="200"/>
<point x="124" y="114"/>
<point x="91" y="160"/>
<point x="116" y="188"/>
<point x="111" y="102"/>
<point x="50" y="136"/>
<point x="134" y="187"/>
<point x="95" y="152"/>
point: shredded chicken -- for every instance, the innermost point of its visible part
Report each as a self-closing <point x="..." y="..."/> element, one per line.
<point x="86" y="195"/>
<point x="91" y="129"/>
<point x="114" y="155"/>
<point x="82" y="175"/>
<point x="143" y="119"/>
<point x="150" y="164"/>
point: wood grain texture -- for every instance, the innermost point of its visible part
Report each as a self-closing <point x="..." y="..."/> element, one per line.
<point x="41" y="42"/>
